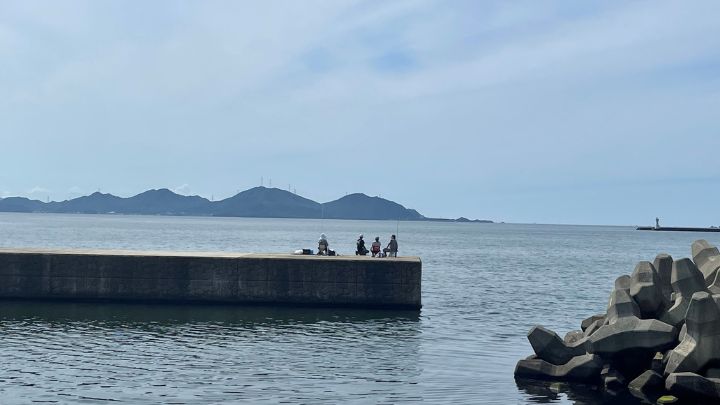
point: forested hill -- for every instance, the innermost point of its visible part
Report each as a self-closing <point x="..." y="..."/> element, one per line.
<point x="255" y="202"/>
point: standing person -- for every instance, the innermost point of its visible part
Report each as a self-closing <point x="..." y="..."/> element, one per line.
<point x="392" y="247"/>
<point x="361" y="250"/>
<point x="375" y="247"/>
<point x="322" y="245"/>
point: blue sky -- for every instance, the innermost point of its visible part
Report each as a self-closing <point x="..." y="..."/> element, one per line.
<point x="549" y="112"/>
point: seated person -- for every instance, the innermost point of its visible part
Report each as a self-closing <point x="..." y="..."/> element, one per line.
<point x="375" y="247"/>
<point x="322" y="245"/>
<point x="361" y="250"/>
<point x="392" y="247"/>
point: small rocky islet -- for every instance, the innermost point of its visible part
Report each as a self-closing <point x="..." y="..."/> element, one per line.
<point x="659" y="338"/>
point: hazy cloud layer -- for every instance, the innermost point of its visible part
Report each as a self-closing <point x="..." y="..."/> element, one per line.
<point x="573" y="112"/>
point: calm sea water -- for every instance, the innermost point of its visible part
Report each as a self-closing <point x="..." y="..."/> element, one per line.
<point x="484" y="286"/>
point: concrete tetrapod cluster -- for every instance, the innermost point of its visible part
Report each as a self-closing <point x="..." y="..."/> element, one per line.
<point x="660" y="334"/>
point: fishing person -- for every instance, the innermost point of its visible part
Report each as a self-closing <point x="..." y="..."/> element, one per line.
<point x="375" y="247"/>
<point x="322" y="245"/>
<point x="392" y="247"/>
<point x="361" y="250"/>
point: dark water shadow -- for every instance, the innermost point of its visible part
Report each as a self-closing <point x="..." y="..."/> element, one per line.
<point x="124" y="314"/>
<point x="549" y="392"/>
<point x="207" y="354"/>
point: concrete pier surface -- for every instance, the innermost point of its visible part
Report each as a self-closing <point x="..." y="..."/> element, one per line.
<point x="205" y="277"/>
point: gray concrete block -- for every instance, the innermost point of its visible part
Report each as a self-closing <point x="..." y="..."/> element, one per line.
<point x="632" y="333"/>
<point x="623" y="283"/>
<point x="621" y="305"/>
<point x="700" y="346"/>
<point x="686" y="280"/>
<point x="573" y="336"/>
<point x="589" y="320"/>
<point x="692" y="386"/>
<point x="714" y="286"/>
<point x="612" y="379"/>
<point x="645" y="289"/>
<point x="581" y="368"/>
<point x="663" y="265"/>
<point x="647" y="385"/>
<point x="549" y="347"/>
<point x="706" y="258"/>
<point x="594" y="326"/>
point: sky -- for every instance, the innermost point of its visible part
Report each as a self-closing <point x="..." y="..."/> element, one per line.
<point x="525" y="111"/>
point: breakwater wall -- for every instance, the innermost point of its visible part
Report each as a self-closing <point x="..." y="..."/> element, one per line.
<point x="269" y="279"/>
<point x="676" y="229"/>
<point x="659" y="338"/>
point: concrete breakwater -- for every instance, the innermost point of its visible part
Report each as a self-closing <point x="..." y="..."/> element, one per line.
<point x="272" y="279"/>
<point x="659" y="338"/>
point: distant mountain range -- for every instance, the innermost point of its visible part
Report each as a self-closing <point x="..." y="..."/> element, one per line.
<point x="261" y="202"/>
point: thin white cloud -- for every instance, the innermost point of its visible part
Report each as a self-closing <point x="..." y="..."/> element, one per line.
<point x="132" y="95"/>
<point x="38" y="190"/>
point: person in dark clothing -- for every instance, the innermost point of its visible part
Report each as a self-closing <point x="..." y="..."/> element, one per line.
<point x="361" y="250"/>
<point x="392" y="247"/>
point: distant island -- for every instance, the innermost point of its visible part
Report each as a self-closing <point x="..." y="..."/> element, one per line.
<point x="257" y="202"/>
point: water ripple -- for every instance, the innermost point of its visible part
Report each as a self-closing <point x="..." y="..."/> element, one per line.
<point x="484" y="286"/>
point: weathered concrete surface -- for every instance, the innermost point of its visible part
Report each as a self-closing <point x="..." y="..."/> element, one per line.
<point x="661" y="333"/>
<point x="210" y="277"/>
<point x="686" y="281"/>
<point x="590" y="320"/>
<point x="573" y="336"/>
<point x="549" y="347"/>
<point x="686" y="278"/>
<point x="700" y="346"/>
<point x="647" y="385"/>
<point x="621" y="305"/>
<point x="707" y="259"/>
<point x="594" y="326"/>
<point x="693" y="386"/>
<point x="714" y="287"/>
<point x="632" y="333"/>
<point x="623" y="283"/>
<point x="663" y="265"/>
<point x="582" y="368"/>
<point x="612" y="379"/>
<point x="645" y="289"/>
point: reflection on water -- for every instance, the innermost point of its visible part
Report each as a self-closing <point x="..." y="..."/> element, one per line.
<point x="138" y="315"/>
<point x="203" y="354"/>
<point x="547" y="392"/>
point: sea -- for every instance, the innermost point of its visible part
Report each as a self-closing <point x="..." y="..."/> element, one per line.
<point x="483" y="287"/>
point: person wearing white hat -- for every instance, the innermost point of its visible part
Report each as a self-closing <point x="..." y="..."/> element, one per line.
<point x="361" y="250"/>
<point x="322" y="245"/>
